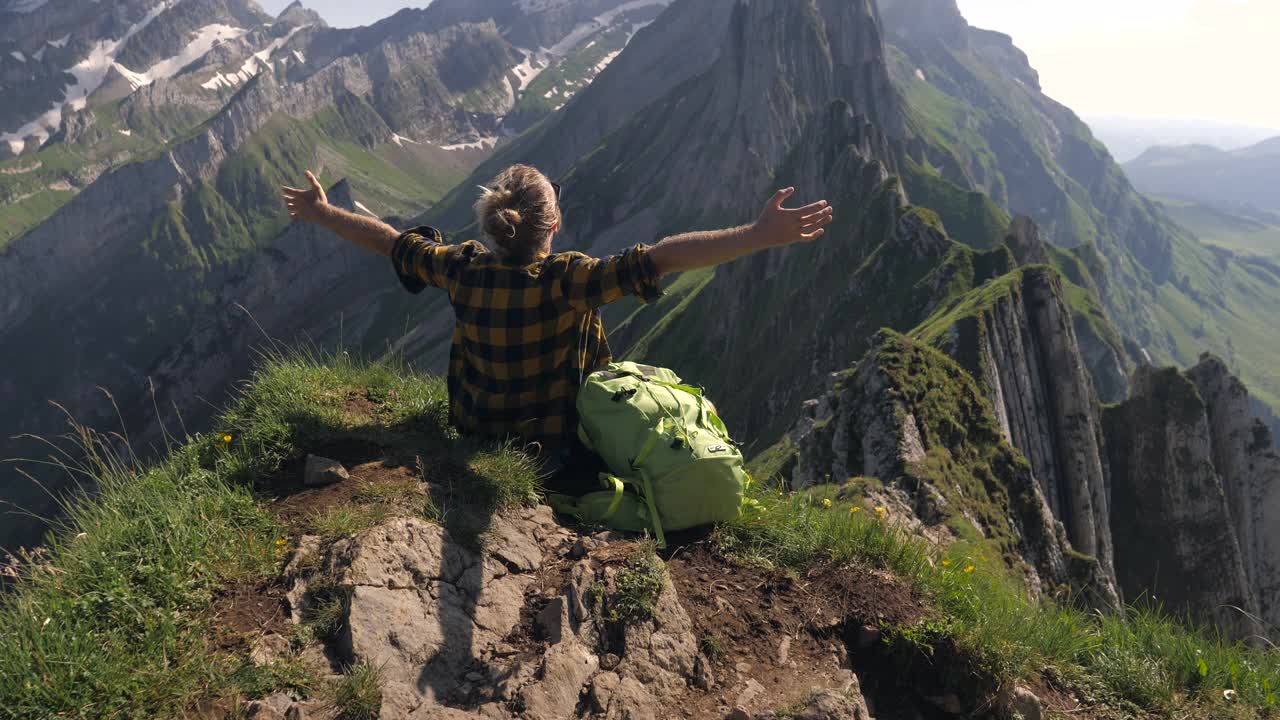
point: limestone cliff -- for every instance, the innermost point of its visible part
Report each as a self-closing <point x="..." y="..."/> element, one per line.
<point x="1247" y="463"/>
<point x="1015" y="334"/>
<point x="1176" y="541"/>
<point x="915" y="420"/>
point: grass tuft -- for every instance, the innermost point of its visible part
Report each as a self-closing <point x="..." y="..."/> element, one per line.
<point x="636" y="588"/>
<point x="358" y="695"/>
<point x="111" y="617"/>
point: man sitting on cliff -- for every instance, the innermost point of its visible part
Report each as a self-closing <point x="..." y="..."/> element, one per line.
<point x="528" y="331"/>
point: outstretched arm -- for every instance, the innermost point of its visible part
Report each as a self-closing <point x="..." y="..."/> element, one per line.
<point x="777" y="226"/>
<point x="312" y="205"/>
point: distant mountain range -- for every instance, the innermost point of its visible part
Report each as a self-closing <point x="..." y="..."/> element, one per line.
<point x="1127" y="137"/>
<point x="1246" y="179"/>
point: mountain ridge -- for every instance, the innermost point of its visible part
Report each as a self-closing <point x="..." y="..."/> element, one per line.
<point x="188" y="188"/>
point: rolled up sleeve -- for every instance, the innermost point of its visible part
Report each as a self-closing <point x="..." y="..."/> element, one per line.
<point x="421" y="258"/>
<point x="590" y="282"/>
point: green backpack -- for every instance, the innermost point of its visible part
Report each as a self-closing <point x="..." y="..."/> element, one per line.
<point x="673" y="462"/>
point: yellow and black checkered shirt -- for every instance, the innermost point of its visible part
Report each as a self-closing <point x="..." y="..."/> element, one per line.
<point x="526" y="336"/>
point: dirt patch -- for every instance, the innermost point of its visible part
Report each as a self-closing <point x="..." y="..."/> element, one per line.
<point x="358" y="404"/>
<point x="785" y="631"/>
<point x="245" y="610"/>
<point x="369" y="482"/>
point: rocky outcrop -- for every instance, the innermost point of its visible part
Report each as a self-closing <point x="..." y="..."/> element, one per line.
<point x="1176" y="540"/>
<point x="1249" y="468"/>
<point x="1016" y="336"/>
<point x="524" y="623"/>
<point x="1099" y="344"/>
<point x="916" y="421"/>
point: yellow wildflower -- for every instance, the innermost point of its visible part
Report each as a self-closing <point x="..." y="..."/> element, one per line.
<point x="881" y="511"/>
<point x="946" y="563"/>
<point x="826" y="502"/>
<point x="281" y="541"/>
<point x="968" y="568"/>
<point x="855" y="509"/>
<point x="226" y="437"/>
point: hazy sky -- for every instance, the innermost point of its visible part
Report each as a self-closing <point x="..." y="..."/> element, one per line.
<point x="1211" y="59"/>
<point x="344" y="13"/>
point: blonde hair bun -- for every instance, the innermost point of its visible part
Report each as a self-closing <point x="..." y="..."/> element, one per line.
<point x="518" y="212"/>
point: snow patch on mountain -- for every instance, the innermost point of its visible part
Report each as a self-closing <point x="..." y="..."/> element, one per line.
<point x="253" y="65"/>
<point x="18" y="56"/>
<point x="527" y="71"/>
<point x="585" y="29"/>
<point x="203" y="40"/>
<point x="88" y="73"/>
<point x="60" y="42"/>
<point x="481" y="144"/>
<point x="401" y="140"/>
<point x="604" y="62"/>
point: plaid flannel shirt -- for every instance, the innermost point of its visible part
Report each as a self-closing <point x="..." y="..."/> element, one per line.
<point x="526" y="336"/>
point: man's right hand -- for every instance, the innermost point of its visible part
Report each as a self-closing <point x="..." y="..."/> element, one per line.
<point x="783" y="226"/>
<point x="306" y="205"/>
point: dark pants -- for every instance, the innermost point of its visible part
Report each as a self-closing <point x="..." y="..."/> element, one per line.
<point x="574" y="470"/>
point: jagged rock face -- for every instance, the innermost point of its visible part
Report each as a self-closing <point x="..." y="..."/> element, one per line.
<point x="1022" y="346"/>
<point x="172" y="30"/>
<point x="51" y="38"/>
<point x="534" y="23"/>
<point x="1175" y="537"/>
<point x="902" y="409"/>
<point x="1102" y="356"/>
<point x="1247" y="463"/>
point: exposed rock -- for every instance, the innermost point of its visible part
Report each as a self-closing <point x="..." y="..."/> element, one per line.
<point x="424" y="605"/>
<point x="272" y="707"/>
<point x="1021" y="344"/>
<point x="750" y="693"/>
<point x="829" y="705"/>
<point x="323" y="471"/>
<point x="551" y="620"/>
<point x="1249" y="468"/>
<point x="1025" y="242"/>
<point x="1023" y="703"/>
<point x="1175" y="535"/>
<point x="875" y="423"/>
<point x="297" y="571"/>
<point x="566" y="668"/>
<point x="784" y="649"/>
<point x="268" y="648"/>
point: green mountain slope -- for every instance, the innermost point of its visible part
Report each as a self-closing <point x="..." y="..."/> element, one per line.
<point x="976" y="113"/>
<point x="1253" y="233"/>
<point x="1246" y="178"/>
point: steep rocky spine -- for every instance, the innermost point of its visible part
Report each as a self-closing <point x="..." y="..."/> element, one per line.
<point x="1175" y="539"/>
<point x="1249" y="468"/>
